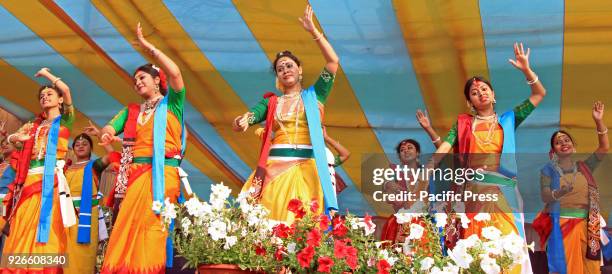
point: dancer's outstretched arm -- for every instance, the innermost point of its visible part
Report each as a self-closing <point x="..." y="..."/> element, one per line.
<point x="522" y="63"/>
<point x="328" y="51"/>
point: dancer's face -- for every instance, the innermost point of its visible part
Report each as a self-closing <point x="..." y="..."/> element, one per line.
<point x="481" y="95"/>
<point x="563" y="145"/>
<point x="49" y="98"/>
<point x="145" y="84"/>
<point x="408" y="153"/>
<point x="82" y="149"/>
<point x="7" y="149"/>
<point x="288" y="72"/>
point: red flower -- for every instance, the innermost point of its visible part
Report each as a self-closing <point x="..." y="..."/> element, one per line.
<point x="383" y="267"/>
<point x="339" y="229"/>
<point x="305" y="256"/>
<point x="323" y="222"/>
<point x="351" y="257"/>
<point x="339" y="249"/>
<point x="314" y="238"/>
<point x="325" y="264"/>
<point x="282" y="231"/>
<point x="259" y="250"/>
<point x="294" y="205"/>
<point x="278" y="254"/>
<point x="300" y="213"/>
<point x="314" y="206"/>
<point x="368" y="221"/>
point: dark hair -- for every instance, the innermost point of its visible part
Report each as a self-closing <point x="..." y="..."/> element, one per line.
<point x="83" y="136"/>
<point x="554" y="136"/>
<point x="416" y="145"/>
<point x="468" y="85"/>
<point x="149" y="69"/>
<point x="284" y="53"/>
<point x="60" y="94"/>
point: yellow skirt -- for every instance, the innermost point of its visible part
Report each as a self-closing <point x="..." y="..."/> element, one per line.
<point x="83" y="256"/>
<point x="24" y="226"/>
<point x="575" y="243"/>
<point x="286" y="181"/>
<point x="138" y="239"/>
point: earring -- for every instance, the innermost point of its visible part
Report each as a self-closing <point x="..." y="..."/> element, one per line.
<point x="300" y="78"/>
<point x="494" y="101"/>
<point x="278" y="84"/>
<point x="157" y="87"/>
<point x="470" y="106"/>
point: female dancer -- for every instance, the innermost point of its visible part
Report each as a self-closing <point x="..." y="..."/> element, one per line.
<point x="152" y="150"/>
<point x="38" y="207"/>
<point x="293" y="163"/>
<point x="571" y="221"/>
<point x="486" y="140"/>
<point x="83" y="178"/>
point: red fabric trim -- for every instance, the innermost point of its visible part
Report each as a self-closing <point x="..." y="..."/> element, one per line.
<point x="129" y="130"/>
<point x="260" y="173"/>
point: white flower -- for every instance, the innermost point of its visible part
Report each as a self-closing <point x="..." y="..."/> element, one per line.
<point x="489" y="265"/>
<point x="451" y="269"/>
<point x="426" y="263"/>
<point x="384" y="254"/>
<point x="513" y="244"/>
<point x="229" y="242"/>
<point x="461" y="257"/>
<point x="480" y="217"/>
<point x="492" y="247"/>
<point x="220" y="191"/>
<point x="441" y="219"/>
<point x="168" y="211"/>
<point x="531" y="246"/>
<point x="217" y="230"/>
<point x="291" y="248"/>
<point x="468" y="242"/>
<point x="416" y="231"/>
<point x="392" y="260"/>
<point x="243" y="233"/>
<point x="405" y="217"/>
<point x="157" y="205"/>
<point x="464" y="220"/>
<point x="491" y="233"/>
<point x="185" y="225"/>
<point x="406" y="249"/>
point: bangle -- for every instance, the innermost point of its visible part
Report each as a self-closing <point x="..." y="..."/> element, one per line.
<point x="436" y="140"/>
<point x="605" y="131"/>
<point x="552" y="193"/>
<point x="318" y="37"/>
<point x="531" y="82"/>
<point x="8" y="139"/>
<point x="102" y="137"/>
<point x="55" y="81"/>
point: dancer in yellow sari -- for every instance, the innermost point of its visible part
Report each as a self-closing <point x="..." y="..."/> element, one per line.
<point x="82" y="240"/>
<point x="292" y="163"/>
<point x="487" y="141"/>
<point x="571" y="222"/>
<point x="149" y="171"/>
<point x="37" y="220"/>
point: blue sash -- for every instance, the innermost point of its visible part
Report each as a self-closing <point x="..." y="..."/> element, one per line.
<point x="48" y="180"/>
<point x="316" y="138"/>
<point x="159" y="144"/>
<point x="555" y="251"/>
<point x="84" y="230"/>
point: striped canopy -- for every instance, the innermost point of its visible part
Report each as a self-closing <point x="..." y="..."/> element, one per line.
<point x="395" y="57"/>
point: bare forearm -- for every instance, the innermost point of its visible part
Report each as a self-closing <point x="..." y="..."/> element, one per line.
<point x="344" y="153"/>
<point x="602" y="134"/>
<point x="60" y="85"/>
<point x="537" y="89"/>
<point x="433" y="135"/>
<point x="327" y="50"/>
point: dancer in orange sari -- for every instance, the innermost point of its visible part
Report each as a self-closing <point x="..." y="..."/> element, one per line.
<point x="571" y="222"/>
<point x="152" y="151"/>
<point x="83" y="178"/>
<point x="292" y="162"/>
<point x="38" y="209"/>
<point x="486" y="140"/>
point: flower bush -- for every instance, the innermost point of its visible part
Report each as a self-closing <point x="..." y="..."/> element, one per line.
<point x="224" y="231"/>
<point x="228" y="231"/>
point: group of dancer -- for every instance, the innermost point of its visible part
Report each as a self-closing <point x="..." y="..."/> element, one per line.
<point x="52" y="208"/>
